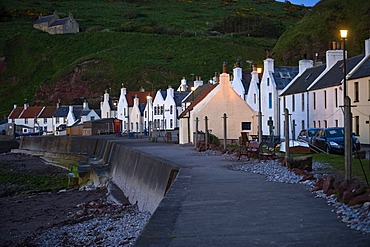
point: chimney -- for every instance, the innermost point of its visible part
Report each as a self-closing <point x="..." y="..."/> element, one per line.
<point x="237" y="71"/>
<point x="26" y="105"/>
<point x="224" y="77"/>
<point x="71" y="108"/>
<point x="304" y="64"/>
<point x="367" y="47"/>
<point x="142" y="89"/>
<point x="85" y="105"/>
<point x="170" y="91"/>
<point x="58" y="103"/>
<point x="106" y="96"/>
<point x="183" y="85"/>
<point x="123" y="90"/>
<point x="224" y="69"/>
<point x="268" y="65"/>
<point x="136" y="100"/>
<point x="333" y="56"/>
<point x="198" y="82"/>
<point x="14" y="106"/>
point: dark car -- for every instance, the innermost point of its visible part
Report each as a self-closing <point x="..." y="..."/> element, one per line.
<point x="331" y="140"/>
<point x="306" y="135"/>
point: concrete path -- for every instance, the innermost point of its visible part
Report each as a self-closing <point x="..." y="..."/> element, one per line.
<point x="210" y="205"/>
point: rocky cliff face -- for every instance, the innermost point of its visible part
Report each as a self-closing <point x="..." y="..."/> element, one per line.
<point x="73" y="89"/>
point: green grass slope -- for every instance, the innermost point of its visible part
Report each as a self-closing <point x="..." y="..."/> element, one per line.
<point x="145" y="43"/>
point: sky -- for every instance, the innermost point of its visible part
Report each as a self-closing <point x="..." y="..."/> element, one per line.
<point x="304" y="2"/>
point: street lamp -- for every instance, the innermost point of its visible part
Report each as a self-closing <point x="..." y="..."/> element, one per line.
<point x="347" y="114"/>
<point x="259" y="71"/>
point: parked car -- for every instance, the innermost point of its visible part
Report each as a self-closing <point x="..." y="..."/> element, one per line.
<point x="331" y="140"/>
<point x="306" y="135"/>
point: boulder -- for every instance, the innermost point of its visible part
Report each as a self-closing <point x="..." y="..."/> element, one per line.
<point x="328" y="184"/>
<point x="361" y="199"/>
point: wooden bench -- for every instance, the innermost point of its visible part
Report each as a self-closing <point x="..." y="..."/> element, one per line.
<point x="251" y="149"/>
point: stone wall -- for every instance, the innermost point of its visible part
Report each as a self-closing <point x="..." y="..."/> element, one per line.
<point x="143" y="179"/>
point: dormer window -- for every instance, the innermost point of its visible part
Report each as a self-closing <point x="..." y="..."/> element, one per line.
<point x="284" y="75"/>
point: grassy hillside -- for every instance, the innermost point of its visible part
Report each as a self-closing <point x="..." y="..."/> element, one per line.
<point x="321" y="25"/>
<point x="140" y="43"/>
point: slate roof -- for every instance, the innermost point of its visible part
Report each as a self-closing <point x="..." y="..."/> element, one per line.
<point x="164" y="94"/>
<point x="59" y="22"/>
<point x="363" y="70"/>
<point x="31" y="112"/>
<point x="44" y="19"/>
<point x="199" y="94"/>
<point x="16" y="112"/>
<point x="62" y="111"/>
<point x="334" y="76"/>
<point x="284" y="75"/>
<point x="246" y="80"/>
<point x="142" y="108"/>
<point x="48" y="112"/>
<point x="179" y="96"/>
<point x="305" y="80"/>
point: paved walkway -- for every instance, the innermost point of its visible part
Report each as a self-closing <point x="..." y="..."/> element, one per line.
<point x="210" y="205"/>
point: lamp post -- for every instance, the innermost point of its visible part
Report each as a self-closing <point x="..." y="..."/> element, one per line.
<point x="347" y="115"/>
<point x="259" y="71"/>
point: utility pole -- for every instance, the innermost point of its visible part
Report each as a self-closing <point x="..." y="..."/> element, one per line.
<point x="206" y="132"/>
<point x="286" y="134"/>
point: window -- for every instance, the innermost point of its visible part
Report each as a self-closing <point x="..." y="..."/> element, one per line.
<point x="268" y="81"/>
<point x="314" y="101"/>
<point x="171" y="123"/>
<point x="325" y="123"/>
<point x="319" y="123"/>
<point x="303" y="102"/>
<point x="314" y="124"/>
<point x="45" y="120"/>
<point x="356" y="96"/>
<point x="26" y="121"/>
<point x="325" y="105"/>
<point x="293" y="102"/>
<point x="368" y="90"/>
<point x="293" y="128"/>
<point x="145" y="113"/>
<point x="302" y="126"/>
<point x="57" y="120"/>
<point x="171" y="110"/>
<point x="92" y="118"/>
<point x="336" y="123"/>
<point x="270" y="100"/>
<point x="336" y="97"/>
<point x="246" y="126"/>
<point x="124" y="112"/>
<point x="255" y="98"/>
<point x="162" y="110"/>
<point x="357" y="125"/>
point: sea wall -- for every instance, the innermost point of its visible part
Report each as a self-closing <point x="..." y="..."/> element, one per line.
<point x="142" y="178"/>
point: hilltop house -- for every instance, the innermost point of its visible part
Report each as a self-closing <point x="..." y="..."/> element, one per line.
<point x="315" y="97"/>
<point x="53" y="24"/>
<point x="213" y="100"/>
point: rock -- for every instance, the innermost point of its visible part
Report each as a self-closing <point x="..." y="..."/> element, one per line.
<point x="347" y="196"/>
<point x="359" y="199"/>
<point x="328" y="184"/>
<point x="307" y="177"/>
<point x="361" y="190"/>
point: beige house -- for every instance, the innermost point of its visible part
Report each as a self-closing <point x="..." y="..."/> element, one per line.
<point x="213" y="102"/>
<point x="52" y="24"/>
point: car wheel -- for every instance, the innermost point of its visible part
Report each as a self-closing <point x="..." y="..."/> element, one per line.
<point x="327" y="149"/>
